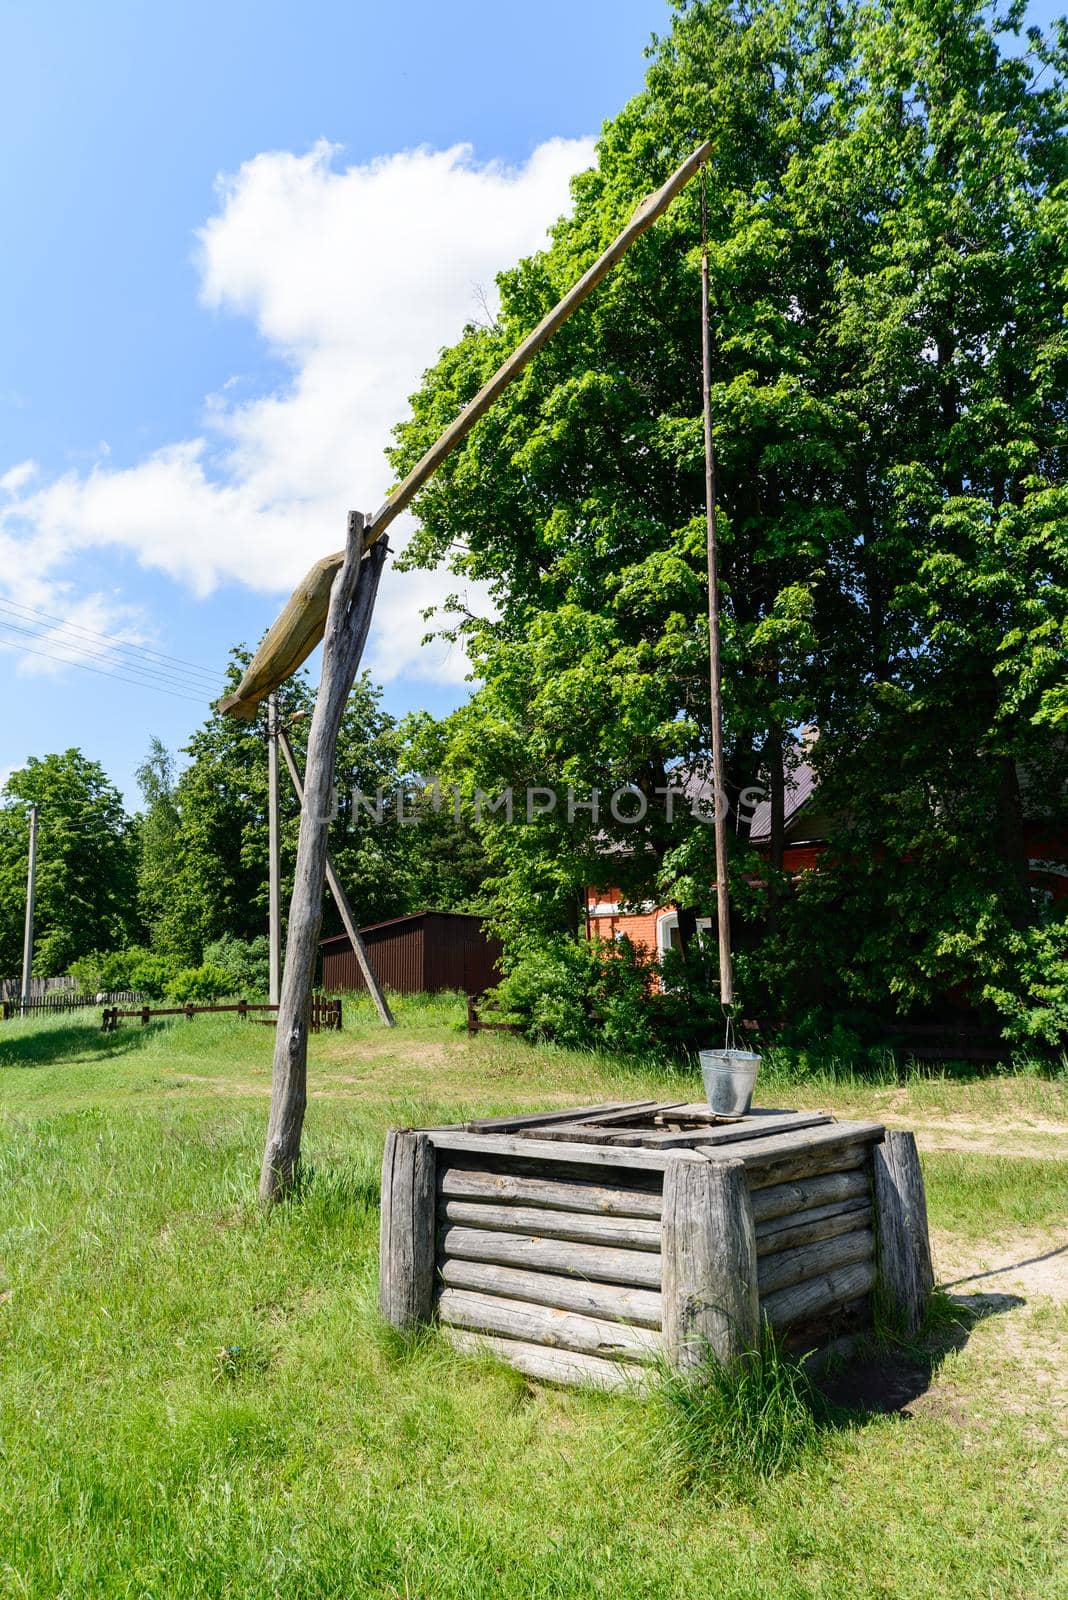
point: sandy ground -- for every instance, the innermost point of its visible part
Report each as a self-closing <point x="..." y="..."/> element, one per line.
<point x="1027" y="1264"/>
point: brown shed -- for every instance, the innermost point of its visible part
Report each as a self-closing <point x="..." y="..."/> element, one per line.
<point x="417" y="954"/>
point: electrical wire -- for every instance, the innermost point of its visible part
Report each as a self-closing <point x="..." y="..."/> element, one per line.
<point x="83" y="666"/>
<point x="144" y="651"/>
<point x="147" y="675"/>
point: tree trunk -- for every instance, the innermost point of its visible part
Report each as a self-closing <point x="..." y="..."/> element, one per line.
<point x="352" y="599"/>
<point x="1012" y="844"/>
<point x="687" y="925"/>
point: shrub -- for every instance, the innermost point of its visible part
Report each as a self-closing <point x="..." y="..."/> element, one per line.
<point x="1034" y="1008"/>
<point x="246" y="961"/>
<point x="150" y="974"/>
<point x="579" y="993"/>
<point x="133" y="968"/>
<point x="199" y="985"/>
<point x="606" y="994"/>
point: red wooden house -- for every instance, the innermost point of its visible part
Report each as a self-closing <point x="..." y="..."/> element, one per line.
<point x="807" y="826"/>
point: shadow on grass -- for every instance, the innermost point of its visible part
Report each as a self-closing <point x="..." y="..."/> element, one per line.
<point x="888" y="1379"/>
<point x="44" y="1047"/>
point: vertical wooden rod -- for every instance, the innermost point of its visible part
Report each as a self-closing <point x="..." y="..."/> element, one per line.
<point x="274" y="906"/>
<point x="31" y="892"/>
<point x="723" y="905"/>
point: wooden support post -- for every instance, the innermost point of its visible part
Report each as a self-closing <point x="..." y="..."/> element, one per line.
<point x="352" y="599"/>
<point x="709" y="1263"/>
<point x="341" y="900"/>
<point x="31" y="892"/>
<point x="406" y="1240"/>
<point x="903" y="1250"/>
<point x="274" y="856"/>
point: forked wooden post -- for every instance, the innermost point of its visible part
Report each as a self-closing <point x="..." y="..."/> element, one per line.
<point x="352" y="600"/>
<point x="709" y="1263"/>
<point x="903" y="1249"/>
<point x="406" y="1238"/>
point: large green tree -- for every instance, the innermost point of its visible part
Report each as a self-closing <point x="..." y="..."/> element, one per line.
<point x="886" y="202"/>
<point x="86" y="863"/>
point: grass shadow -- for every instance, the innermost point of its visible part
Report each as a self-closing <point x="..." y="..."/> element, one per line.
<point x="42" y="1047"/>
<point x="888" y="1375"/>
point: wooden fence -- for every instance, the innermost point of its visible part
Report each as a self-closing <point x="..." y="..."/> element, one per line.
<point x="50" y="1004"/>
<point x="11" y="988"/>
<point x="477" y="1024"/>
<point x="324" y="1013"/>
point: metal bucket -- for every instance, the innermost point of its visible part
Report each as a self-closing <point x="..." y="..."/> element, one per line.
<point x="729" y="1079"/>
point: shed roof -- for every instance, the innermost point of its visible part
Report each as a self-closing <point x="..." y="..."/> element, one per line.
<point x="397" y="922"/>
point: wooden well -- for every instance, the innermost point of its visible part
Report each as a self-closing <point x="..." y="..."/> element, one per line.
<point x="582" y="1245"/>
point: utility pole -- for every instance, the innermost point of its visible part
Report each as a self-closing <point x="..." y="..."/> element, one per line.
<point x="31" y="886"/>
<point x="274" y="914"/>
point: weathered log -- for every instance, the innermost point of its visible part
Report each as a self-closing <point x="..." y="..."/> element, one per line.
<point x="815" y="1297"/>
<point x="551" y="1366"/>
<point x="581" y="1155"/>
<point x="626" y="1233"/>
<point x="709" y="1263"/>
<point x="532" y="1119"/>
<point x="784" y="1199"/>
<point x="642" y="1307"/>
<point x="406" y="1232"/>
<point x="563" y="1330"/>
<point x="809" y="1227"/>
<point x="352" y="601"/>
<point x="638" y="1267"/>
<point x="779" y="1157"/>
<point x="461" y="1183"/>
<point x="787" y="1267"/>
<point x="300" y="626"/>
<point x="732" y="1133"/>
<point x="805" y="1164"/>
<point x="905" y="1274"/>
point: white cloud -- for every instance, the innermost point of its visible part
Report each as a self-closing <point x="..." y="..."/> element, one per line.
<point x="355" y="277"/>
<point x="18" y="477"/>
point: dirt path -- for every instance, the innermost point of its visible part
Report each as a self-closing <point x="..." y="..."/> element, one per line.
<point x="1030" y="1265"/>
<point x="1034" y="1138"/>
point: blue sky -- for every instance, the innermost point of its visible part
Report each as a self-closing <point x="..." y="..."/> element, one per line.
<point x="117" y="120"/>
<point x="234" y="234"/>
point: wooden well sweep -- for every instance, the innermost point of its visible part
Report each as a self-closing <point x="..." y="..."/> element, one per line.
<point x="583" y="1245"/>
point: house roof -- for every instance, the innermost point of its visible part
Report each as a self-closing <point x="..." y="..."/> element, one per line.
<point x="801" y="785"/>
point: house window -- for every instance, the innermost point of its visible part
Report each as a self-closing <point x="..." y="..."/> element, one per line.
<point x="667" y="933"/>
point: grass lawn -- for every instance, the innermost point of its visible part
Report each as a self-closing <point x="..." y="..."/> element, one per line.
<point x="196" y="1400"/>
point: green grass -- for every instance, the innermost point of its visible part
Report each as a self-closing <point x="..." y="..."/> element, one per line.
<point x="196" y="1400"/>
<point x="983" y="1196"/>
<point x="731" y="1427"/>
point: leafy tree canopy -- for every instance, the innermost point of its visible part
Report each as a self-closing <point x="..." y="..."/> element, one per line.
<point x="86" y="863"/>
<point x="889" y="261"/>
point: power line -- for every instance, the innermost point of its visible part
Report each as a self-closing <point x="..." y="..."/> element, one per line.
<point x="149" y="654"/>
<point x="146" y="673"/>
<point x="83" y="666"/>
